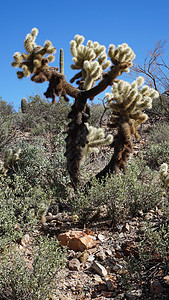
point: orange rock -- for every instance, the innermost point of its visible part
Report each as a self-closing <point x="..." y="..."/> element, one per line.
<point x="166" y="279"/>
<point x="76" y="240"/>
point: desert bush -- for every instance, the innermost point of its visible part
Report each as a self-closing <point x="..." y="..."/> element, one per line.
<point x="162" y="109"/>
<point x="21" y="207"/>
<point x="156" y="154"/>
<point x="43" y="163"/>
<point x="6" y="109"/>
<point x="18" y="280"/>
<point x="155" y="241"/>
<point x="159" y="133"/>
<point x="123" y="195"/>
<point x="41" y="116"/>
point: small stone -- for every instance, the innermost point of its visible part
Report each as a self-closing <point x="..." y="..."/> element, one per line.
<point x="121" y="235"/>
<point x="111" y="284"/>
<point x="76" y="240"/>
<point x="119" y="254"/>
<point x="101" y="255"/>
<point x="91" y="258"/>
<point x="117" y="268"/>
<point x="97" y="278"/>
<point x="108" y="295"/>
<point x="83" y="257"/>
<point x="133" y="294"/>
<point x="101" y="237"/>
<point x="99" y="268"/>
<point x="155" y="287"/>
<point x="109" y="252"/>
<point x="126" y="227"/>
<point x="74" y="264"/>
<point x="166" y="279"/>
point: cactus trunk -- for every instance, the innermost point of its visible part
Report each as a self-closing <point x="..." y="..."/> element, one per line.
<point x="123" y="146"/>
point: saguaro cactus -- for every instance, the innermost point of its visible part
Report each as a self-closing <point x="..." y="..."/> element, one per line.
<point x="61" y="62"/>
<point x="126" y="101"/>
<point x="24" y="105"/>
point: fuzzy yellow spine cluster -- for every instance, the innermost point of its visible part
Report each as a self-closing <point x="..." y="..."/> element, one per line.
<point x="90" y="59"/>
<point x="30" y="61"/>
<point x="96" y="137"/>
<point x="123" y="53"/>
<point x="130" y="99"/>
<point x="164" y="174"/>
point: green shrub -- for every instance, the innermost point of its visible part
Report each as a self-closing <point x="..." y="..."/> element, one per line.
<point x="42" y="117"/>
<point x="159" y="133"/>
<point x="21" y="207"/>
<point x="123" y="195"/>
<point x="43" y="163"/>
<point x="35" y="281"/>
<point x="156" y="154"/>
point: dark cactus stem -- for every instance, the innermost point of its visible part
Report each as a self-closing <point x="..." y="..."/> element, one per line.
<point x="61" y="62"/>
<point x="76" y="139"/>
<point x="24" y="105"/>
<point x="123" y="146"/>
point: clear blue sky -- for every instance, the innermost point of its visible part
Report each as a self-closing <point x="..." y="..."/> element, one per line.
<point x="138" y="23"/>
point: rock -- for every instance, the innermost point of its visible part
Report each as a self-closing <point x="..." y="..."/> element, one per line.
<point x="109" y="252"/>
<point x="99" y="268"/>
<point x="166" y="279"/>
<point x="74" y="264"/>
<point x="101" y="255"/>
<point x="126" y="227"/>
<point x="111" y="284"/>
<point x="91" y="258"/>
<point x="83" y="257"/>
<point x="76" y="240"/>
<point x="155" y="287"/>
<point x="97" y="278"/>
<point x="119" y="255"/>
<point x="107" y="295"/>
<point x="133" y="294"/>
<point x="101" y="237"/>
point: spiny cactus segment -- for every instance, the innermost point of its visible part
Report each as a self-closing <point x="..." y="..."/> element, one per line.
<point x="164" y="174"/>
<point x="96" y="137"/>
<point x="11" y="157"/>
<point x="34" y="59"/>
<point x="84" y="58"/>
<point x="24" y="105"/>
<point x="61" y="61"/>
<point x="128" y="100"/>
<point x="123" y="53"/>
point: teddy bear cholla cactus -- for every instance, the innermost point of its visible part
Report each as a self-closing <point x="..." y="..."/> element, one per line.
<point x="123" y="53"/>
<point x="92" y="59"/>
<point x="126" y="103"/>
<point x="84" y="58"/>
<point x="11" y="157"/>
<point x="34" y="59"/>
<point x="96" y="138"/>
<point x="164" y="174"/>
<point x="129" y="100"/>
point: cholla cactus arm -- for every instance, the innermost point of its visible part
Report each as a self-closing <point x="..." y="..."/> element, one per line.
<point x="126" y="103"/>
<point x="84" y="58"/>
<point x="33" y="60"/>
<point x="11" y="157"/>
<point x="96" y="138"/>
<point x="123" y="53"/>
<point x="164" y="174"/>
